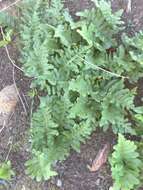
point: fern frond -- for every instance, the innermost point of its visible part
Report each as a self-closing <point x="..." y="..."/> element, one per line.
<point x="116" y="103"/>
<point x="125" y="164"/>
<point x="97" y="26"/>
<point x="40" y="167"/>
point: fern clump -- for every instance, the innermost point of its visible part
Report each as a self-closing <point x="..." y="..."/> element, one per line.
<point x="82" y="79"/>
<point x="125" y="165"/>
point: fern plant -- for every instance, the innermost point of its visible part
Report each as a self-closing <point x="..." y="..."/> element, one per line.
<point x="125" y="165"/>
<point x="6" y="171"/>
<point x="82" y="79"/>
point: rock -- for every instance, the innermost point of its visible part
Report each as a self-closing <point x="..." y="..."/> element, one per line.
<point x="8" y="101"/>
<point x="59" y="183"/>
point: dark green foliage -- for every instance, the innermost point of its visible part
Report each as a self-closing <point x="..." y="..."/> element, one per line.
<point x="125" y="165"/>
<point x="82" y="69"/>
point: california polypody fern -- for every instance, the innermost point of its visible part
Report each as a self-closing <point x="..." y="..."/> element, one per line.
<point x="84" y="81"/>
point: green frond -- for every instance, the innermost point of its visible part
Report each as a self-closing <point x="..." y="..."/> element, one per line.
<point x="125" y="164"/>
<point x="40" y="167"/>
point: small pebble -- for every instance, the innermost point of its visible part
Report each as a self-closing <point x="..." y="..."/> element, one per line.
<point x="59" y="183"/>
<point x="98" y="182"/>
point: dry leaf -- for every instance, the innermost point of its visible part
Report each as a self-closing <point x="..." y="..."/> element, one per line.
<point x="100" y="159"/>
<point x="8" y="101"/>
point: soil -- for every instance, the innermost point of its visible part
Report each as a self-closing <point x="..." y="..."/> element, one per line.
<point x="73" y="173"/>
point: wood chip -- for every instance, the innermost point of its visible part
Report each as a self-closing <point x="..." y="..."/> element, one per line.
<point x="101" y="158"/>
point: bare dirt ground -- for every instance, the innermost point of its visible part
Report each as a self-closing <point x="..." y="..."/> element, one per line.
<point x="73" y="173"/>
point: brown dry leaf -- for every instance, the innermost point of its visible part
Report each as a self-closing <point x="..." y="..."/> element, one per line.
<point x="8" y="101"/>
<point x="101" y="158"/>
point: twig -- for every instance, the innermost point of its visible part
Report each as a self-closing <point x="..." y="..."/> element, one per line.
<point x="95" y="66"/>
<point x="25" y="100"/>
<point x="2" y="127"/>
<point x="24" y="107"/>
<point x="31" y="113"/>
<point x="10" y="117"/>
<point x="9" y="6"/>
<point x="10" y="148"/>
<point x="101" y="69"/>
<point x="12" y="61"/>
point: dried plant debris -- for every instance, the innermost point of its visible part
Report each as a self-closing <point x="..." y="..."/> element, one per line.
<point x="100" y="159"/>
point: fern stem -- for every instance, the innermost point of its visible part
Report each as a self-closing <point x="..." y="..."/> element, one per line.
<point x="101" y="69"/>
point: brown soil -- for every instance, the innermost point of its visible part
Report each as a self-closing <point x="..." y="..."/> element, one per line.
<point x="73" y="173"/>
